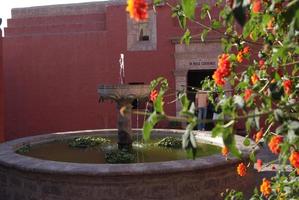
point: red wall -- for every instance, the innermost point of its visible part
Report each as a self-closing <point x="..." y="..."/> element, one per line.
<point x="1" y="94"/>
<point x="51" y="79"/>
<point x="52" y="72"/>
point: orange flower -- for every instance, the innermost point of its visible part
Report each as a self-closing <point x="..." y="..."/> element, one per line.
<point x="241" y="169"/>
<point x="259" y="164"/>
<point x="246" y="50"/>
<point x="137" y="9"/>
<point x="287" y="85"/>
<point x="224" y="151"/>
<point x="153" y="95"/>
<point x="254" y="79"/>
<point x="266" y="187"/>
<point x="223" y="70"/>
<point x="256" y="6"/>
<point x="247" y="94"/>
<point x="270" y="24"/>
<point x="274" y="144"/>
<point x="258" y="136"/>
<point x="294" y="159"/>
<point x="219" y="80"/>
<point x="240" y="57"/>
<point x="262" y="64"/>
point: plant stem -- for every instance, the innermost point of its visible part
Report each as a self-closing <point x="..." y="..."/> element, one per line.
<point x="185" y="119"/>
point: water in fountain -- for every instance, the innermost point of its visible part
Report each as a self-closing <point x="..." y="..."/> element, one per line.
<point x="122" y="68"/>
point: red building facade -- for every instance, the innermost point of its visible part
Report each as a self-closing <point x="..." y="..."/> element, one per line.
<point x="1" y="93"/>
<point x="54" y="58"/>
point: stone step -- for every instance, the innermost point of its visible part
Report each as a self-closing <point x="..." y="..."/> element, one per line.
<point x="55" y="29"/>
<point x="56" y="20"/>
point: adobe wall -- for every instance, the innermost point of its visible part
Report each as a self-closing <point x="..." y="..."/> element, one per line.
<point x="53" y="65"/>
<point x="56" y="56"/>
<point x="1" y="92"/>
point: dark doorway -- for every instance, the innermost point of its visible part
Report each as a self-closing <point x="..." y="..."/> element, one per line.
<point x="194" y="82"/>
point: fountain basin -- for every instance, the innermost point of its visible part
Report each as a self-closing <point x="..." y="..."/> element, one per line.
<point x="123" y="91"/>
<point x="24" y="177"/>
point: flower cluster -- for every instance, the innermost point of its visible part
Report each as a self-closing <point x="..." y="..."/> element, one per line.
<point x="256" y="6"/>
<point x="266" y="187"/>
<point x="294" y="160"/>
<point x="287" y="85"/>
<point x="262" y="64"/>
<point x="241" y="54"/>
<point x="224" y="151"/>
<point x="241" y="169"/>
<point x="137" y="9"/>
<point x="247" y="94"/>
<point x="259" y="164"/>
<point x="258" y="136"/>
<point x="254" y="79"/>
<point x="274" y="144"/>
<point x="153" y="95"/>
<point x="223" y="70"/>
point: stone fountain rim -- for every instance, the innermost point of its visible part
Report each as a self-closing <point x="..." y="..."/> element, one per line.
<point x="123" y="86"/>
<point x="10" y="159"/>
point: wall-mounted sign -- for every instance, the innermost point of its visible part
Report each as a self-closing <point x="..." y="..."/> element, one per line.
<point x="201" y="63"/>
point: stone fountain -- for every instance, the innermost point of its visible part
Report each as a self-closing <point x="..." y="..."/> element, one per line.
<point x="124" y="95"/>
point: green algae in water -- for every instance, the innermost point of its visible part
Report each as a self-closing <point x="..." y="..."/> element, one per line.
<point x="120" y="156"/>
<point x="88" y="141"/>
<point x="170" y="142"/>
<point x="23" y="149"/>
<point x="150" y="152"/>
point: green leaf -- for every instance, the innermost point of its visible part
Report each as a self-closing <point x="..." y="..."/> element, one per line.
<point x="278" y="114"/>
<point x="217" y="130"/>
<point x="182" y="21"/>
<point x="292" y="137"/>
<point x="158" y="103"/>
<point x="205" y="6"/>
<point x="241" y="86"/>
<point x="266" y="19"/>
<point x="215" y="24"/>
<point x="247" y="29"/>
<point x="189" y="8"/>
<point x="294" y="125"/>
<point x="230" y="142"/>
<point x="191" y="153"/>
<point x="193" y="140"/>
<point x="149" y="124"/>
<point x="291" y="11"/>
<point x="203" y="34"/>
<point x="255" y="33"/>
<point x="239" y="101"/>
<point x="184" y="102"/>
<point x="252" y="157"/>
<point x="246" y="141"/>
<point x="204" y="10"/>
<point x="158" y="2"/>
<point x="186" y="37"/>
<point x="186" y="139"/>
<point x="189" y="141"/>
<point x="281" y="129"/>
